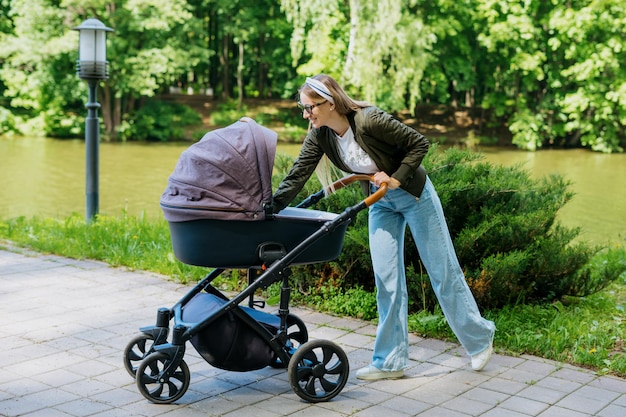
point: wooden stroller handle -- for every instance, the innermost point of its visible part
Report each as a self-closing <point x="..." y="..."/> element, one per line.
<point x="371" y="199"/>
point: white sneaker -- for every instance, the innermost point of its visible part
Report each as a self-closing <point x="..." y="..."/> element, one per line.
<point x="372" y="373"/>
<point x="480" y="360"/>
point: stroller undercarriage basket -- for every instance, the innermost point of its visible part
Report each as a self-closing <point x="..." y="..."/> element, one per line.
<point x="238" y="347"/>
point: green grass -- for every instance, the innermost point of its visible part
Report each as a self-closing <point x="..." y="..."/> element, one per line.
<point x="133" y="242"/>
<point x="588" y="332"/>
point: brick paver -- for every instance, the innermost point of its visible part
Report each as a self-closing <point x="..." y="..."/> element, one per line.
<point x="65" y="324"/>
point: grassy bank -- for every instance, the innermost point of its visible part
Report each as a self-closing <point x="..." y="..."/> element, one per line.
<point x="587" y="331"/>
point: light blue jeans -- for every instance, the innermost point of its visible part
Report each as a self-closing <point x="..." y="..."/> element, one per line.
<point x="388" y="219"/>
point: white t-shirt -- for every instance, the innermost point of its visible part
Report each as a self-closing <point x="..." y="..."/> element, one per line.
<point x="354" y="156"/>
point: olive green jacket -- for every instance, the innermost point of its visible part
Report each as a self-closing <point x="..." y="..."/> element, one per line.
<point x="396" y="148"/>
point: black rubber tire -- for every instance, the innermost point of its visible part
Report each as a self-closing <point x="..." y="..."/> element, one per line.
<point x="318" y="371"/>
<point x="297" y="337"/>
<point x="159" y="388"/>
<point x="136" y="350"/>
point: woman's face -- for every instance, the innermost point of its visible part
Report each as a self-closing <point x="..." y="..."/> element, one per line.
<point x="316" y="110"/>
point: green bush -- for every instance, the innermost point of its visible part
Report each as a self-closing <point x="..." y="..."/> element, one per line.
<point x="503" y="224"/>
<point x="7" y="121"/>
<point x="60" y="125"/>
<point x="161" y="121"/>
<point x="228" y="113"/>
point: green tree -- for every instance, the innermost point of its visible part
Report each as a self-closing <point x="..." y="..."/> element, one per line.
<point x="550" y="72"/>
<point x="7" y="119"/>
<point x="588" y="38"/>
<point x="250" y="39"/>
<point x="35" y="59"/>
<point x="454" y="75"/>
<point x="557" y="73"/>
<point x="152" y="44"/>
<point x="155" y="45"/>
<point x="378" y="49"/>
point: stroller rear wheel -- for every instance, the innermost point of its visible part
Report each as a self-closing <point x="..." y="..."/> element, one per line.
<point x="318" y="371"/>
<point x="136" y="350"/>
<point x="297" y="335"/>
<point x="159" y="385"/>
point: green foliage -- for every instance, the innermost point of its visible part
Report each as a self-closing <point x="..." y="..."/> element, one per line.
<point x="587" y="331"/>
<point x="573" y="92"/>
<point x="7" y="121"/>
<point x="352" y="41"/>
<point x="34" y="57"/>
<point x="161" y="121"/>
<point x="607" y="264"/>
<point x="429" y="323"/>
<point x="459" y="65"/>
<point x="353" y="302"/>
<point x="227" y="113"/>
<point x="558" y="79"/>
<point x="505" y="232"/>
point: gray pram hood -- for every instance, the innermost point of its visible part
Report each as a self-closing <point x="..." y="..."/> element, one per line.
<point x="227" y="175"/>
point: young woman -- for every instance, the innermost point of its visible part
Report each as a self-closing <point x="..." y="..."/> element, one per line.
<point x="360" y="138"/>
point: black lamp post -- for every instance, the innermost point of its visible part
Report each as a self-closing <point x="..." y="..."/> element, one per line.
<point x="92" y="67"/>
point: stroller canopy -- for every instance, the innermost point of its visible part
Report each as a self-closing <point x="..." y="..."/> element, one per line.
<point x="227" y="175"/>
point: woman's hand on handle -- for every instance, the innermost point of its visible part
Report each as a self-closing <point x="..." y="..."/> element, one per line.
<point x="381" y="177"/>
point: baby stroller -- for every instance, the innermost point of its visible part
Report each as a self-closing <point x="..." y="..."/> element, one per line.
<point x="218" y="206"/>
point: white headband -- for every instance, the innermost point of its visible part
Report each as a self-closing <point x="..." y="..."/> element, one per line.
<point x="320" y="89"/>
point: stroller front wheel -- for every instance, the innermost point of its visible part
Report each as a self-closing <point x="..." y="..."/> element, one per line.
<point x="157" y="383"/>
<point x="318" y="370"/>
<point x="136" y="350"/>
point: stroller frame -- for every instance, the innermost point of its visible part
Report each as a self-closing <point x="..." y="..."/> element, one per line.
<point x="318" y="370"/>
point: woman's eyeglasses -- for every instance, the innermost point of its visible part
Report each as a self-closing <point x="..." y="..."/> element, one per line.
<point x="309" y="107"/>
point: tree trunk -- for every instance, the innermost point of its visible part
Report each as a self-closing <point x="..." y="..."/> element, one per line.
<point x="453" y="96"/>
<point x="117" y="117"/>
<point x="240" y="76"/>
<point x="261" y="69"/>
<point x="225" y="61"/>
<point x="355" y="7"/>
<point x="105" y="110"/>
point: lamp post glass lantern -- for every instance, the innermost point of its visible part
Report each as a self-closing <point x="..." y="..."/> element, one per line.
<point x="92" y="67"/>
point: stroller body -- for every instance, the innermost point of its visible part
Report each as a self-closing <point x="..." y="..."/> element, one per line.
<point x="209" y="228"/>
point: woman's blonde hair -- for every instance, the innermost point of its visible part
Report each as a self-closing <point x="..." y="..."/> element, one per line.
<point x="344" y="104"/>
<point x="326" y="172"/>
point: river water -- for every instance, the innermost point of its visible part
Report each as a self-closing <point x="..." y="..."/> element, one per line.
<point x="46" y="177"/>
